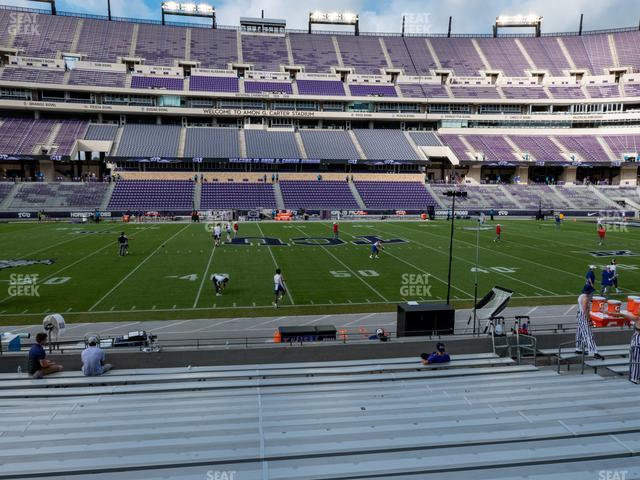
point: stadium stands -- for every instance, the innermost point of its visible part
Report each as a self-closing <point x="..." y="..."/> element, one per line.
<point x="21" y="135"/>
<point x="212" y="142"/>
<point x="152" y="195"/>
<point x="266" y="53"/>
<point x="213" y="48"/>
<point x="385" y="145"/>
<point x="98" y="78"/>
<point x="317" y="195"/>
<point x="5" y="189"/>
<point x="315" y="51"/>
<point x="475" y="92"/>
<point x="32" y="75"/>
<point x="87" y="195"/>
<point x="278" y="428"/>
<point x="161" y="45"/>
<point x="267" y="87"/>
<point x="533" y="93"/>
<point x="200" y="83"/>
<point x="237" y="195"/>
<point x="362" y="53"/>
<point x="101" y="132"/>
<point x="394" y="195"/>
<point x="365" y="90"/>
<point x="105" y="42"/>
<point x="164" y="45"/>
<point x="271" y="144"/>
<point x="329" y="144"/>
<point x="149" y="140"/>
<point x="320" y="87"/>
<point x="69" y="131"/>
<point x="503" y="54"/>
<point x="166" y="83"/>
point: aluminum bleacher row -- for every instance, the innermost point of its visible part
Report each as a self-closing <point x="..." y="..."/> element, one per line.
<point x="477" y="417"/>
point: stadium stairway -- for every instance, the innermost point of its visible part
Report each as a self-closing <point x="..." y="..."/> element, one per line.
<point x="490" y="423"/>
<point x="356" y="195"/>
<point x="279" y="198"/>
<point x="107" y="196"/>
<point x="4" y="204"/>
<point x="197" y="195"/>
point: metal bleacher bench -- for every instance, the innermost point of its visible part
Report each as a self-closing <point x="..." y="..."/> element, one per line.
<point x="247" y="378"/>
<point x="404" y="361"/>
<point x="448" y="427"/>
<point x="566" y="354"/>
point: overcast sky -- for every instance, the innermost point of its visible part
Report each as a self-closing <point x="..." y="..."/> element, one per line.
<point x="423" y="16"/>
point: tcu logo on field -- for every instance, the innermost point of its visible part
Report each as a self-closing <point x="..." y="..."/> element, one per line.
<point x="369" y="239"/>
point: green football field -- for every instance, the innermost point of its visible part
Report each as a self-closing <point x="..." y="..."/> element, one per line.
<point x="167" y="273"/>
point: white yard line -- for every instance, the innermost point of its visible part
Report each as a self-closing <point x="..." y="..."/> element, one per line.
<point x="420" y="269"/>
<point x="204" y="277"/>
<point x="473" y="263"/>
<point x="276" y="265"/>
<point x="373" y="289"/>
<point x="56" y="273"/>
<point x="148" y="257"/>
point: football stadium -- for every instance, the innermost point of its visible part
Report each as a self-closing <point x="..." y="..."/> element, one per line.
<point x="343" y="240"/>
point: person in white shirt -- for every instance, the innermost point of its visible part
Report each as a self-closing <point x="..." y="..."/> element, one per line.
<point x="93" y="358"/>
<point x="613" y="268"/>
<point x="219" y="282"/>
<point x="279" y="288"/>
<point x="217" y="231"/>
<point x="228" y="229"/>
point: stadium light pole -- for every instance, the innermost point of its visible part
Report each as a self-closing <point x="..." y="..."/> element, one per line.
<point x="453" y="194"/>
<point x="201" y="10"/>
<point x="475" y="286"/>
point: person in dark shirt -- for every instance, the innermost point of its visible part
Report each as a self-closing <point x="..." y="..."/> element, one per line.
<point x="590" y="281"/>
<point x="439" y="356"/>
<point x="123" y="242"/>
<point x="38" y="365"/>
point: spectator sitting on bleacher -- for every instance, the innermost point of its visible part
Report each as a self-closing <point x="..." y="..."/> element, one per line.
<point x="380" y="335"/>
<point x="439" y="356"/>
<point x="38" y="365"/>
<point x="93" y="359"/>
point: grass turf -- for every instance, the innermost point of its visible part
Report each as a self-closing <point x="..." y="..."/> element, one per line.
<point x="167" y="273"/>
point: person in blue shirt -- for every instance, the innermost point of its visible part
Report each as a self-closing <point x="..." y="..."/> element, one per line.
<point x="93" y="359"/>
<point x="439" y="356"/>
<point x="38" y="366"/>
<point x="590" y="284"/>
<point x="607" y="280"/>
<point x="375" y="249"/>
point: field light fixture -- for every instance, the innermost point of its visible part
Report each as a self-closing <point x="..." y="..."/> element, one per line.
<point x="188" y="9"/>
<point x="335" y="18"/>
<point x="517" y="21"/>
